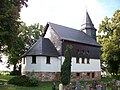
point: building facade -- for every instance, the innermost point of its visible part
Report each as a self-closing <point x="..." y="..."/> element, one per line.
<point x="46" y="56"/>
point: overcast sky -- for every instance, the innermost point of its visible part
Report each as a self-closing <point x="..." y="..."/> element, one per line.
<point x="66" y="12"/>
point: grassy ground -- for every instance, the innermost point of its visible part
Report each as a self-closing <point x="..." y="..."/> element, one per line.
<point x="42" y="85"/>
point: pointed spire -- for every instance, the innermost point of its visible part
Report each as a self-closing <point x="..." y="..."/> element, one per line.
<point x="87" y="22"/>
<point x="88" y="27"/>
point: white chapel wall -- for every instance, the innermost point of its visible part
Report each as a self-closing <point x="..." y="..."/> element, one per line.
<point x="41" y="65"/>
<point x="94" y="65"/>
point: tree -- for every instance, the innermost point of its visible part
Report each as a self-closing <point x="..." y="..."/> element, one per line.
<point x="30" y="34"/>
<point x="25" y="39"/>
<point x="9" y="22"/>
<point x="66" y="67"/>
<point x="110" y="41"/>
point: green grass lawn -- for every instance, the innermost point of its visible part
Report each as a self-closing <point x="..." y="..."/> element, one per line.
<point x="42" y="85"/>
<point x="5" y="77"/>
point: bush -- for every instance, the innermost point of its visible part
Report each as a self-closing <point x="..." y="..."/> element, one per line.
<point x="16" y="72"/>
<point x="117" y="77"/>
<point x="24" y="81"/>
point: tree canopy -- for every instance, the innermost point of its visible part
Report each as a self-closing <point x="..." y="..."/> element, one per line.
<point x="9" y="21"/>
<point x="9" y="25"/>
<point x="110" y="41"/>
<point x="27" y="36"/>
<point x="15" y="36"/>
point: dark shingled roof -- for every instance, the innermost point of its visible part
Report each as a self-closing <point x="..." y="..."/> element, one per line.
<point x="70" y="34"/>
<point x="42" y="47"/>
<point x="87" y="22"/>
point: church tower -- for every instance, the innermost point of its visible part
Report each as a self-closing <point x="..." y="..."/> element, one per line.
<point x="88" y="27"/>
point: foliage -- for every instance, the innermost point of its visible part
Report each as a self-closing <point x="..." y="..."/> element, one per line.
<point x="44" y="85"/>
<point x="110" y="41"/>
<point x="5" y="77"/>
<point x="10" y="43"/>
<point x="23" y="81"/>
<point x="16" y="72"/>
<point x="25" y="39"/>
<point x="15" y="36"/>
<point x="66" y="67"/>
<point x="9" y="21"/>
<point x="30" y="34"/>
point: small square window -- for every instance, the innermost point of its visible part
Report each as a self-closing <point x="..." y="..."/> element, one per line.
<point x="83" y="60"/>
<point x="88" y="74"/>
<point x="48" y="60"/>
<point x="77" y="74"/>
<point x="33" y="59"/>
<point x="88" y="61"/>
<point x="77" y="60"/>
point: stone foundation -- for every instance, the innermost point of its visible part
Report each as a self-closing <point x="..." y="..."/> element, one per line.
<point x="49" y="76"/>
<point x="85" y="76"/>
<point x="44" y="76"/>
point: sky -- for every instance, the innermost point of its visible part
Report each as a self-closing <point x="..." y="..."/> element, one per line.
<point x="68" y="13"/>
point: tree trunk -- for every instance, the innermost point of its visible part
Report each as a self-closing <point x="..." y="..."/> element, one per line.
<point x="14" y="67"/>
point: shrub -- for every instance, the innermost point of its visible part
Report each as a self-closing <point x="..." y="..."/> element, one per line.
<point x="23" y="81"/>
<point x="16" y="72"/>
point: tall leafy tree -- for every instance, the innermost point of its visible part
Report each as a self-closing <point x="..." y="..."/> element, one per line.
<point x="25" y="39"/>
<point x="9" y="25"/>
<point x="66" y="67"/>
<point x="9" y="21"/>
<point x="30" y="34"/>
<point x="110" y="41"/>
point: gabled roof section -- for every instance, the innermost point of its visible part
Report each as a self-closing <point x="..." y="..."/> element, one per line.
<point x="70" y="34"/>
<point x="42" y="47"/>
<point x="87" y="22"/>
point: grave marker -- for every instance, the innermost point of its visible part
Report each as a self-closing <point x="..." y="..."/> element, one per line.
<point x="78" y="87"/>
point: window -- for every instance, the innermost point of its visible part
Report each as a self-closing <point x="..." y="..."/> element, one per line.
<point x="77" y="60"/>
<point x="48" y="60"/>
<point x="83" y="60"/>
<point x="93" y="75"/>
<point x="77" y="74"/>
<point x="87" y="52"/>
<point x="83" y="51"/>
<point x="88" y="74"/>
<point x="88" y="61"/>
<point x="33" y="59"/>
<point x="23" y="60"/>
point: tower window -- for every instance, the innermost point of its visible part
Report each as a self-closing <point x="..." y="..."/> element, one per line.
<point x="33" y="59"/>
<point x="87" y="52"/>
<point x="83" y="51"/>
<point x="48" y="60"/>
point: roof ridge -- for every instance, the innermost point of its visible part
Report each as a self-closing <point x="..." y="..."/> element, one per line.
<point x="62" y="25"/>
